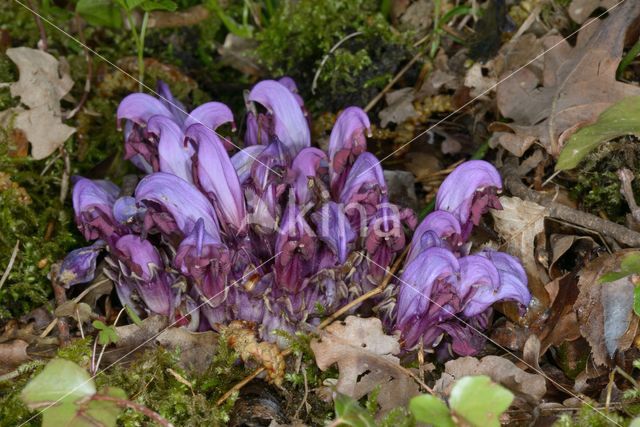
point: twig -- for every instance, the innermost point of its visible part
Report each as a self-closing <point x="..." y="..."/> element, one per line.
<point x="628" y="59"/>
<point x="610" y="229"/>
<point x="179" y="18"/>
<point x="123" y="403"/>
<point x="66" y="174"/>
<point x="14" y="254"/>
<point x="377" y="290"/>
<point x="42" y="43"/>
<point x="626" y="177"/>
<point x="304" y="398"/>
<point x="393" y="81"/>
<point x="87" y="82"/>
<point x="60" y="298"/>
<point x="327" y="56"/>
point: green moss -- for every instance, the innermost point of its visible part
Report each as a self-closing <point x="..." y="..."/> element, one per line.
<point x="12" y="411"/>
<point x="301" y="33"/>
<point x="598" y="185"/>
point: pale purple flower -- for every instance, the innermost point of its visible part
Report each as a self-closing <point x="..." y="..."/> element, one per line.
<point x="347" y="142"/>
<point x="93" y="204"/>
<point x="304" y="173"/>
<point x="469" y="191"/>
<point x="289" y="124"/>
<point x="243" y="160"/>
<point x="334" y="229"/>
<point x="217" y="178"/>
<point x="173" y="205"/>
<point x="79" y="266"/>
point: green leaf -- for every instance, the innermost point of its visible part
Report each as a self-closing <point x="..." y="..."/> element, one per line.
<point x="107" y="334"/>
<point x="167" y="5"/>
<point x="629" y="265"/>
<point x="620" y="119"/>
<point x="636" y="300"/>
<point x="429" y="409"/>
<point x="101" y="13"/>
<point x="350" y="413"/>
<point x="105" y="412"/>
<point x="133" y="316"/>
<point x="479" y="401"/>
<point x="60" y="381"/>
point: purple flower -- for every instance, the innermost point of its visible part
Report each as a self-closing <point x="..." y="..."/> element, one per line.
<point x="304" y="169"/>
<point x="178" y="110"/>
<point x="289" y="123"/>
<point x="295" y="248"/>
<point x="385" y="237"/>
<point x="476" y="274"/>
<point x="365" y="185"/>
<point x="93" y="203"/>
<point x="174" y="153"/>
<point x="79" y="266"/>
<point x="439" y="229"/>
<point x="217" y="178"/>
<point x="126" y="211"/>
<point x="468" y="192"/>
<point x="243" y="160"/>
<point x="334" y="229"/>
<point x="173" y="205"/>
<point x="206" y="261"/>
<point x="512" y="285"/>
<point x="212" y="115"/>
<point x="143" y="267"/>
<point x="347" y="142"/>
<point x="428" y="269"/>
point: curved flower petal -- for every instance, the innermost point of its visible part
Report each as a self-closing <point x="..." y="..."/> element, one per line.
<point x="212" y="115"/>
<point x="440" y="224"/>
<point x="305" y="167"/>
<point x="79" y="266"/>
<point x="140" y="107"/>
<point x="385" y="237"/>
<point x="178" y="110"/>
<point x="365" y="183"/>
<point x="347" y="141"/>
<point x="163" y="193"/>
<point x="289" y="123"/>
<point x="243" y="160"/>
<point x="417" y="281"/>
<point x="126" y="210"/>
<point x="174" y="152"/>
<point x="205" y="260"/>
<point x="93" y="203"/>
<point x="217" y="177"/>
<point x="477" y="274"/>
<point x="147" y="273"/>
<point x="469" y="191"/>
<point x="295" y="249"/>
<point x="334" y="229"/>
<point x="513" y="284"/>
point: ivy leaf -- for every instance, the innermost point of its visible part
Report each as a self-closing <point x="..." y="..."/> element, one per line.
<point x="479" y="401"/>
<point x="618" y="120"/>
<point x="429" y="409"/>
<point x="101" y="13"/>
<point x="107" y="334"/>
<point x="350" y="413"/>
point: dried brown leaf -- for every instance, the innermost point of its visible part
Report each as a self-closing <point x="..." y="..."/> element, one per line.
<point x="580" y="10"/>
<point x="577" y="84"/>
<point x="531" y="387"/>
<point x="399" y="107"/>
<point x="605" y="310"/>
<point x="13" y="354"/>
<point x="366" y="359"/>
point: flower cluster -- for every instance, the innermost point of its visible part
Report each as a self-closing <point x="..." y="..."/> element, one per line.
<point x="445" y="294"/>
<point x="278" y="233"/>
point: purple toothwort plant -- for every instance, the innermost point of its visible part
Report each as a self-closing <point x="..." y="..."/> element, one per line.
<point x="280" y="232"/>
<point x="445" y="294"/>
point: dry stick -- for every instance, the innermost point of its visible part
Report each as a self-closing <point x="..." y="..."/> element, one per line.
<point x="123" y="403"/>
<point x="61" y="298"/>
<point x="42" y="44"/>
<point x="610" y="229"/>
<point x="87" y="82"/>
<point x="14" y="254"/>
<point x="393" y="81"/>
<point x="375" y="291"/>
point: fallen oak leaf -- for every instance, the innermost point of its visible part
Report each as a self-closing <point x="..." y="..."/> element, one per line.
<point x="577" y="84"/>
<point x="581" y="10"/>
<point x="366" y="359"/>
<point x="531" y="387"/>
